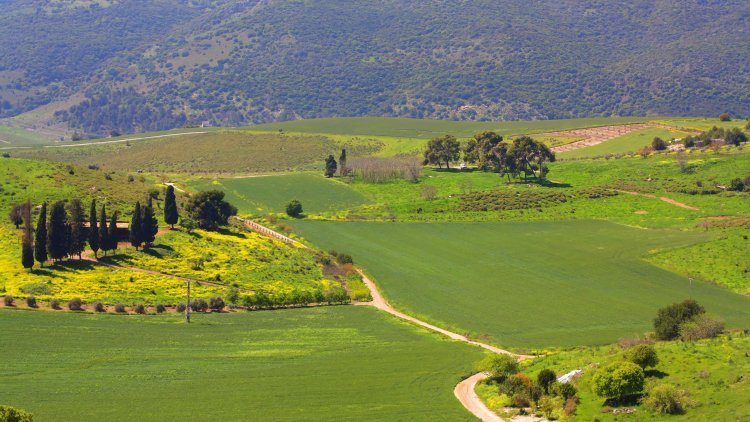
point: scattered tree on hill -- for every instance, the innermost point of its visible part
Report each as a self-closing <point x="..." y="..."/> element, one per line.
<point x="77" y="241"/>
<point x="93" y="230"/>
<point x="498" y="366"/>
<point x="112" y="233"/>
<point x="618" y="380"/>
<point x="57" y="233"/>
<point x="103" y="230"/>
<point x="343" y="170"/>
<point x="27" y="248"/>
<point x="480" y="150"/>
<point x="136" y="227"/>
<point x="658" y="144"/>
<point x="725" y="117"/>
<point x="209" y="210"/>
<point x="330" y="166"/>
<point x="668" y="319"/>
<point x="150" y="226"/>
<point x="735" y="137"/>
<point x="16" y="215"/>
<point x="40" y="238"/>
<point x="294" y="209"/>
<point x="643" y="355"/>
<point x="529" y="157"/>
<point x="545" y="379"/>
<point x="171" y="216"/>
<point x="443" y="149"/>
<point x="701" y="326"/>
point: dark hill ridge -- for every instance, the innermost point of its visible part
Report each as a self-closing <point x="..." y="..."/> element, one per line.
<point x="147" y="65"/>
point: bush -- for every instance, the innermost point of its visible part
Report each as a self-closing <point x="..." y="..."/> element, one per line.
<point x="8" y="300"/>
<point x="643" y="355"/>
<point x="499" y="367"/>
<point x="668" y="319"/>
<point x="701" y="326"/>
<point x="737" y="185"/>
<point x="181" y="307"/>
<point x="139" y="309"/>
<point x="216" y="304"/>
<point x="31" y="302"/>
<point x="11" y="414"/>
<point x="618" y="380"/>
<point x="54" y="304"/>
<point x="75" y="304"/>
<point x="119" y="308"/>
<point x="659" y="144"/>
<point x="429" y="192"/>
<point x="565" y="391"/>
<point x="160" y="309"/>
<point x="666" y="400"/>
<point x="546" y="378"/>
<point x="725" y="117"/>
<point x="294" y="209"/>
<point x="344" y="258"/>
<point x="99" y="307"/>
<point x="199" y="305"/>
<point x="551" y="407"/>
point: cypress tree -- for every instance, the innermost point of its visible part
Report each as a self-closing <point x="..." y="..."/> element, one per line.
<point x="136" y="227"/>
<point x="27" y="253"/>
<point x="77" y="230"/>
<point x="342" y="163"/>
<point x="112" y="233"/>
<point x="171" y="215"/>
<point x="149" y="224"/>
<point x="57" y="233"/>
<point x="40" y="239"/>
<point x="94" y="242"/>
<point x="103" y="231"/>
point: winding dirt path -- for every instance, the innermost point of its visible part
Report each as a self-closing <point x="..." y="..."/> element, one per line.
<point x="663" y="198"/>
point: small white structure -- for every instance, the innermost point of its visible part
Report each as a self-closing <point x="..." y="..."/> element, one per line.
<point x="570" y="376"/>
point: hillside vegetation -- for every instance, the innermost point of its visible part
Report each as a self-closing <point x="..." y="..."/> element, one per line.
<point x="137" y="66"/>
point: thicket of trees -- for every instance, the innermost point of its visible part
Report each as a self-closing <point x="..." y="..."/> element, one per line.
<point x="208" y="209"/>
<point x="523" y="156"/>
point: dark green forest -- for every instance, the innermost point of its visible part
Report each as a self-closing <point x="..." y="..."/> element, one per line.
<point x="146" y="65"/>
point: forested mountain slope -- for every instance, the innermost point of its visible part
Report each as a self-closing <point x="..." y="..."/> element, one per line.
<point x="144" y="65"/>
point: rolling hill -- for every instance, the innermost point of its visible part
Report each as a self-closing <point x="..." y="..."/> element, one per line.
<point x="137" y="66"/>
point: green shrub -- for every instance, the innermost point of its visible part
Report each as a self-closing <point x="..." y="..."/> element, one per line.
<point x="216" y="303"/>
<point x="618" y="380"/>
<point x="75" y="304"/>
<point x="737" y="185"/>
<point x="658" y="144"/>
<point x="701" y="326"/>
<point x="99" y="307"/>
<point x="500" y="367"/>
<point x="668" y="319"/>
<point x="54" y="304"/>
<point x="119" y="308"/>
<point x="294" y="209"/>
<point x="666" y="400"/>
<point x="39" y="288"/>
<point x="344" y="258"/>
<point x="139" y="309"/>
<point x="643" y="355"/>
<point x="31" y="302"/>
<point x="160" y="309"/>
<point x="546" y="378"/>
<point x="199" y="305"/>
<point x="8" y="300"/>
<point x="181" y="307"/>
<point x="552" y="407"/>
<point x="11" y="414"/>
<point x="565" y="391"/>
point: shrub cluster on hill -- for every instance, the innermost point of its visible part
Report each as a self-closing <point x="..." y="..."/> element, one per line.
<point x="509" y="200"/>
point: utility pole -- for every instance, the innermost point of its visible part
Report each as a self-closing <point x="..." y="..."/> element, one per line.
<point x="691" y="286"/>
<point x="187" y="308"/>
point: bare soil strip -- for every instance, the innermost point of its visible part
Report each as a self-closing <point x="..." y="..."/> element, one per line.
<point x="121" y="140"/>
<point x="595" y="135"/>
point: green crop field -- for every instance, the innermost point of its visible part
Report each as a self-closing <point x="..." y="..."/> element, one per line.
<point x="11" y="137"/>
<point x="713" y="372"/>
<point x="311" y="364"/>
<point x="422" y="128"/>
<point x="525" y="285"/>
<point x="257" y="195"/>
<point x="624" y="144"/>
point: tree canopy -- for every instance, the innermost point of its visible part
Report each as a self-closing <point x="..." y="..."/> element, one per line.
<point x="209" y="210"/>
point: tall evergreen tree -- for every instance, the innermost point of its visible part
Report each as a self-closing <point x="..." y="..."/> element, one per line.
<point x="150" y="227"/>
<point x="16" y="215"/>
<point x="103" y="231"/>
<point x="171" y="216"/>
<point x="94" y="242"/>
<point x="77" y="229"/>
<point x="40" y="239"/>
<point x="57" y="233"/>
<point x="136" y="227"/>
<point x="342" y="163"/>
<point x="330" y="166"/>
<point x="27" y="252"/>
<point x="112" y="233"/>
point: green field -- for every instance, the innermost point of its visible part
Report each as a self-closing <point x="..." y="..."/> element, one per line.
<point x="624" y="144"/>
<point x="422" y="128"/>
<point x="264" y="194"/>
<point x="11" y="137"/>
<point x="525" y="285"/>
<point x="305" y="364"/>
<point x="714" y="372"/>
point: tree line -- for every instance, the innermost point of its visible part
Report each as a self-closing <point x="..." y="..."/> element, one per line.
<point x="487" y="150"/>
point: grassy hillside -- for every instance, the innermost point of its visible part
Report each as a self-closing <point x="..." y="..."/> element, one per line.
<point x="11" y="137"/>
<point x="525" y="285"/>
<point x="281" y="365"/>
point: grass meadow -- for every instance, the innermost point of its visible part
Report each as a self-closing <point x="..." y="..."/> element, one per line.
<point x="525" y="285"/>
<point x="11" y="137"/>
<point x="303" y="364"/>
